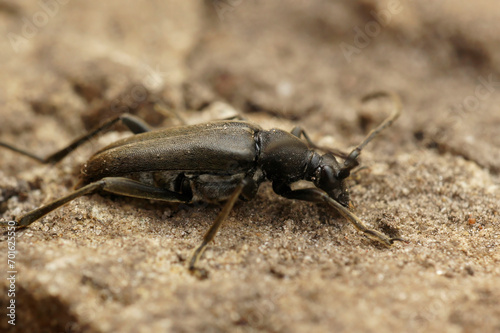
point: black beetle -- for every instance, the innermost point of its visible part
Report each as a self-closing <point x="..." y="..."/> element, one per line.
<point x="212" y="162"/>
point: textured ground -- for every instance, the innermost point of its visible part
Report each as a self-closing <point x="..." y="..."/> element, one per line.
<point x="110" y="264"/>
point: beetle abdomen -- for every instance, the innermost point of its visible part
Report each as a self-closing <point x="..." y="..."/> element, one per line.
<point x="225" y="147"/>
<point x="214" y="188"/>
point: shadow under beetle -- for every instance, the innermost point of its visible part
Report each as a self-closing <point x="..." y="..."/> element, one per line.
<point x="212" y="162"/>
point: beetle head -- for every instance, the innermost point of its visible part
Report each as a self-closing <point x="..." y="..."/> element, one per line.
<point x="330" y="177"/>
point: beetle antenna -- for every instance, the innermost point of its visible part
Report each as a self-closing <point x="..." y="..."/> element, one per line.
<point x="352" y="159"/>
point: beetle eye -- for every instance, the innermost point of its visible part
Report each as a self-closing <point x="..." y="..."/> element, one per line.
<point x="327" y="179"/>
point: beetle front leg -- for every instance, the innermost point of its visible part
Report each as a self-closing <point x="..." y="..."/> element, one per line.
<point x="210" y="234"/>
<point x="115" y="185"/>
<point x="316" y="195"/>
<point x="133" y="123"/>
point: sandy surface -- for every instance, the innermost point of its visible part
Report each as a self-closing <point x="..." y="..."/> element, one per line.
<point x="112" y="264"/>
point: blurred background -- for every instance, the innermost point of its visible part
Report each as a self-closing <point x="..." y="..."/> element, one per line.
<point x="66" y="65"/>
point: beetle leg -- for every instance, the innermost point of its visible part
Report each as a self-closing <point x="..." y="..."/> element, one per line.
<point x="162" y="108"/>
<point x="135" y="124"/>
<point x="250" y="190"/>
<point x="115" y="185"/>
<point x="210" y="234"/>
<point x="299" y="131"/>
<point x="316" y="195"/>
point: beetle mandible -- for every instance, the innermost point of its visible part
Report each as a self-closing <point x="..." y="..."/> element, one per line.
<point x="213" y="162"/>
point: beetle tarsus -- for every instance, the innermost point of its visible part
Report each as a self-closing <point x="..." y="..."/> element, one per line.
<point x="199" y="273"/>
<point x="6" y="224"/>
<point x="397" y="239"/>
<point x="380" y="237"/>
<point x="358" y="224"/>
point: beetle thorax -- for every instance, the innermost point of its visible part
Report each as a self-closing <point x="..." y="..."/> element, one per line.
<point x="283" y="157"/>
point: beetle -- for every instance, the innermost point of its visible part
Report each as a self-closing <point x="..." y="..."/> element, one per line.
<point x="213" y="162"/>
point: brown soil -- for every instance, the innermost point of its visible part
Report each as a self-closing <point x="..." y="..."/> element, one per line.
<point x="113" y="264"/>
